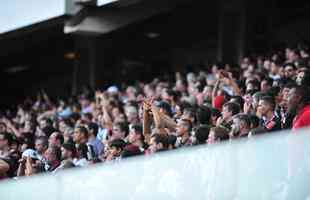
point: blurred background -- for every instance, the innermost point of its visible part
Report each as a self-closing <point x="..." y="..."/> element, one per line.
<point x="62" y="46"/>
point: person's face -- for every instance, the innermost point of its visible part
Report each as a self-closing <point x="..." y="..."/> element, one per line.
<point x="43" y="124"/>
<point x="292" y="98"/>
<point x="264" y="86"/>
<point x="117" y="133"/>
<point x="289" y="72"/>
<point x="2" y="128"/>
<point x="133" y="137"/>
<point x="285" y="93"/>
<point x="207" y="92"/>
<point x="114" y="151"/>
<point x="263" y="107"/>
<point x="53" y="139"/>
<point x="62" y="126"/>
<point x="49" y="155"/>
<point x="226" y="113"/>
<point x="77" y="136"/>
<point x="40" y="146"/>
<point x="3" y="142"/>
<point x="115" y="112"/>
<point x="300" y="77"/>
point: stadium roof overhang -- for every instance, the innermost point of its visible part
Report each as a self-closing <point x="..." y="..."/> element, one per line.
<point x="94" y="20"/>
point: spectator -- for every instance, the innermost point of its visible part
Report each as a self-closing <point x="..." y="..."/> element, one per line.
<point x="266" y="108"/>
<point x="93" y="140"/>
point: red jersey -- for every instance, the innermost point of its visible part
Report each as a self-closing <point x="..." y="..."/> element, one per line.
<point x="302" y="119"/>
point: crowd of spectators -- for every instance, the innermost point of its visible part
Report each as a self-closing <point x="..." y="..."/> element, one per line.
<point x="222" y="102"/>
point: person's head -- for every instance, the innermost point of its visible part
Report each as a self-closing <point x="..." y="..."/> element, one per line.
<point x="266" y="105"/>
<point x="207" y="91"/>
<point x="136" y="134"/>
<point x="92" y="129"/>
<point x="255" y="121"/>
<point x="184" y="127"/>
<point x="266" y="84"/>
<point x="2" y="127"/>
<point x="45" y="122"/>
<point x="41" y="144"/>
<point x="217" y="134"/>
<point x="189" y="113"/>
<point x="202" y="134"/>
<point x="275" y="66"/>
<point x="241" y="124"/>
<point x="238" y="100"/>
<point x="81" y="151"/>
<point x="230" y="109"/>
<point x="298" y="96"/>
<point x="56" y="139"/>
<point x="120" y="130"/>
<point x="27" y="141"/>
<point x="116" y="147"/>
<point x="165" y="108"/>
<point x="289" y="70"/>
<point x="131" y="114"/>
<point x="158" y="142"/>
<point x="172" y="139"/>
<point x="203" y="115"/>
<point x="5" y="140"/>
<point x="303" y="77"/>
<point x="80" y="135"/>
<point x="252" y="85"/>
<point x="52" y="154"/>
<point x="68" y="151"/>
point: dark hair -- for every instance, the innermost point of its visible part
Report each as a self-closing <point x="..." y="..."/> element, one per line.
<point x="220" y="133"/>
<point x="166" y="106"/>
<point x="202" y="134"/>
<point x="232" y="107"/>
<point x="83" y="130"/>
<point x="60" y="137"/>
<point x="268" y="80"/>
<point x="304" y="92"/>
<point x="139" y="130"/>
<point x="160" y="138"/>
<point x="237" y="99"/>
<point x="118" y="144"/>
<point x="290" y="64"/>
<point x="269" y="100"/>
<point x="203" y="115"/>
<point x="83" y="149"/>
<point x="254" y="121"/>
<point x="7" y="136"/>
<point x="306" y="78"/>
<point x="48" y="130"/>
<point x="244" y="118"/>
<point x="123" y="126"/>
<point x="93" y="128"/>
<point x="44" y="140"/>
<point x="28" y="139"/>
<point x="57" y="151"/>
<point x="172" y="140"/>
<point x="70" y="147"/>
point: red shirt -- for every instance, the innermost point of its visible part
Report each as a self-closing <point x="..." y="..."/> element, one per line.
<point x="302" y="119"/>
